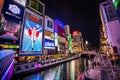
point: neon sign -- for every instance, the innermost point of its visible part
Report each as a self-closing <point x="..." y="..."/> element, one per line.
<point x="75" y="33"/>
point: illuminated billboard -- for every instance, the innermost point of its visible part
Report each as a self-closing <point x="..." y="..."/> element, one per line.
<point x="58" y="23"/>
<point x="116" y="3"/>
<point x="36" y="5"/>
<point x="11" y="18"/>
<point x="12" y="10"/>
<point x="49" y="35"/>
<point x="49" y="44"/>
<point x="56" y="39"/>
<point x="59" y="28"/>
<point x="32" y="32"/>
<point x="75" y="33"/>
<point x="61" y="31"/>
<point x="61" y="39"/>
<point x="69" y="42"/>
<point x="32" y="36"/>
<point x="1" y="4"/>
<point x="49" y="24"/>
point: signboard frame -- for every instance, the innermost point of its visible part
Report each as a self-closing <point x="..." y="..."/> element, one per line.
<point x="38" y="4"/>
<point x="30" y="53"/>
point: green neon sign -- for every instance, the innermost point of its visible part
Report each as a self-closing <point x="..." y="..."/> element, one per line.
<point x="69" y="42"/>
<point x="116" y="3"/>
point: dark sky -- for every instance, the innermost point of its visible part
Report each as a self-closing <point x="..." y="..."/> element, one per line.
<point x="81" y="15"/>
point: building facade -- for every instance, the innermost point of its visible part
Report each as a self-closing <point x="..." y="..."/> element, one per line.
<point x="77" y="42"/>
<point x="109" y="30"/>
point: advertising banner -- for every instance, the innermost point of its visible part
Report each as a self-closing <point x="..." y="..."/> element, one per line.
<point x="49" y="24"/>
<point x="69" y="42"/>
<point x="49" y="44"/>
<point x="58" y="23"/>
<point x="32" y="32"/>
<point x="49" y="35"/>
<point x="61" y="31"/>
<point x="56" y="39"/>
<point x="61" y="39"/>
<point x="12" y="10"/>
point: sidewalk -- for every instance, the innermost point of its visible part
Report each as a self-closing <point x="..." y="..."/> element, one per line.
<point x="101" y="69"/>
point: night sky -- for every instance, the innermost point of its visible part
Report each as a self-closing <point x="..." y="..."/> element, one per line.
<point x="81" y="15"/>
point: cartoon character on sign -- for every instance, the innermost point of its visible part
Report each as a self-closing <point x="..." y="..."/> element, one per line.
<point x="33" y="32"/>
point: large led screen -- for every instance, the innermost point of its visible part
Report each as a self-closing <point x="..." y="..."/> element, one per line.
<point x="32" y="36"/>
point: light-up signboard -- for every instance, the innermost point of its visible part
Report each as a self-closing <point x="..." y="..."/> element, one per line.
<point x="69" y="42"/>
<point x="36" y="5"/>
<point x="32" y="33"/>
<point x="61" y="31"/>
<point x="58" y="23"/>
<point x="49" y="44"/>
<point x="49" y="35"/>
<point x="1" y="4"/>
<point x="49" y="24"/>
<point x="11" y="18"/>
<point x="116" y="3"/>
<point x="75" y="33"/>
<point x="56" y="39"/>
<point x="12" y="10"/>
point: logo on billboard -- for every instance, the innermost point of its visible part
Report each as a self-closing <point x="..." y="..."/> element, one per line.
<point x="49" y="44"/>
<point x="14" y="9"/>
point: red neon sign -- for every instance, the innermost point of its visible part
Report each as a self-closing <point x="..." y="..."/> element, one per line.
<point x="75" y="33"/>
